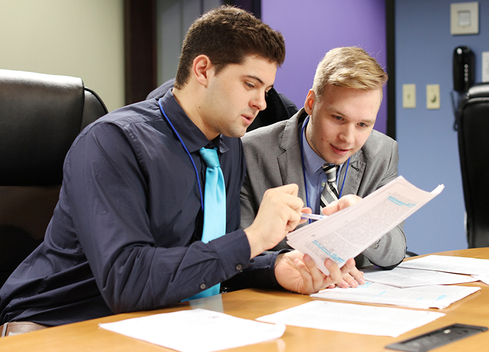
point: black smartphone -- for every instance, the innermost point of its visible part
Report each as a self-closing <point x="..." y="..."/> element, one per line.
<point x="436" y="338"/>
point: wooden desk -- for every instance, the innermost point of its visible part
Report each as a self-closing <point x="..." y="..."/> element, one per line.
<point x="250" y="304"/>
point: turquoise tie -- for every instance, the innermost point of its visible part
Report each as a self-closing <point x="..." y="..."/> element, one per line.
<point x="214" y="207"/>
<point x="214" y="197"/>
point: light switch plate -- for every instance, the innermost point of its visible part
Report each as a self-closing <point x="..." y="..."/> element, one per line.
<point x="432" y="96"/>
<point x="485" y="66"/>
<point x="464" y="18"/>
<point x="409" y="96"/>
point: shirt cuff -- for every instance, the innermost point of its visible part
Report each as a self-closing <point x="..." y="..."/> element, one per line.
<point x="234" y="252"/>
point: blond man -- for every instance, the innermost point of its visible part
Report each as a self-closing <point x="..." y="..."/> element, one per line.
<point x="335" y="127"/>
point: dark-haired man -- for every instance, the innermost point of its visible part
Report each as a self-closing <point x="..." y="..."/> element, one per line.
<point x="126" y="232"/>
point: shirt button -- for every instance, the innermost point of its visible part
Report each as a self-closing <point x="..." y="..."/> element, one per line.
<point x="202" y="286"/>
<point x="239" y="267"/>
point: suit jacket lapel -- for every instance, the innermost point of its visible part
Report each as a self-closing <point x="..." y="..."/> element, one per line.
<point x="290" y="162"/>
<point x="354" y="176"/>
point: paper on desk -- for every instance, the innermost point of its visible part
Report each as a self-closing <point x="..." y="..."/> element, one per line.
<point x="353" y="318"/>
<point x="436" y="296"/>
<point x="404" y="277"/>
<point x="196" y="330"/>
<point x="349" y="232"/>
<point x="451" y="264"/>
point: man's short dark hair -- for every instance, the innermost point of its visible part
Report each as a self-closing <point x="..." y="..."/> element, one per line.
<point x="227" y="35"/>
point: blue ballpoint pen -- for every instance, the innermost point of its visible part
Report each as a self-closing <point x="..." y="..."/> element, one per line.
<point x="313" y="216"/>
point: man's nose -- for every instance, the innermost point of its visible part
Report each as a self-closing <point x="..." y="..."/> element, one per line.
<point x="347" y="133"/>
<point x="259" y="102"/>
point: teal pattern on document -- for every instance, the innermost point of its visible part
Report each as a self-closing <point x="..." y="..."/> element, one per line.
<point x="331" y="255"/>
<point x="398" y="202"/>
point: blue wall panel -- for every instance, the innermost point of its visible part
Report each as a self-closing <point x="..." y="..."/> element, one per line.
<point x="428" y="144"/>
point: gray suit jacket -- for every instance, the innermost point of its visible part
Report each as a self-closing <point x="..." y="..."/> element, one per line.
<point x="273" y="158"/>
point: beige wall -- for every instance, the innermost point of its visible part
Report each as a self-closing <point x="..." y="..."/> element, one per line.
<point x="82" y="38"/>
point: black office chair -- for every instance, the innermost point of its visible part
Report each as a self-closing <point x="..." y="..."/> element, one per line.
<point x="40" y="116"/>
<point x="279" y="107"/>
<point x="472" y="119"/>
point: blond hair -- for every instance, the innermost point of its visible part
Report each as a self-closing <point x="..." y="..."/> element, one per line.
<point x="348" y="67"/>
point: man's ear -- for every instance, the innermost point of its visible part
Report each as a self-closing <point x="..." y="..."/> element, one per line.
<point x="310" y="100"/>
<point x="201" y="69"/>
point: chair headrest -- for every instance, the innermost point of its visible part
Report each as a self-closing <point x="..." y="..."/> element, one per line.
<point x="478" y="90"/>
<point x="40" y="116"/>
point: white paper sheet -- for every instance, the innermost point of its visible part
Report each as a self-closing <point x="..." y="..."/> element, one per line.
<point x="347" y="233"/>
<point x="404" y="277"/>
<point x="353" y="318"/>
<point x="436" y="296"/>
<point x="450" y="264"/>
<point x="196" y="330"/>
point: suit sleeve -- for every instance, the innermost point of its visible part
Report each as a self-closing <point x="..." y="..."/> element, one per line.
<point x="253" y="186"/>
<point x="249" y="206"/>
<point x="389" y="251"/>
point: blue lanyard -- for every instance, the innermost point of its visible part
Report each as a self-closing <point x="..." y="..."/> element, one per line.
<point x="188" y="153"/>
<point x="304" y="165"/>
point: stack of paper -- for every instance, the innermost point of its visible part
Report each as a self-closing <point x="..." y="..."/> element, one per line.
<point x="403" y="277"/>
<point x="450" y="264"/>
<point x="414" y="297"/>
<point x="413" y="288"/>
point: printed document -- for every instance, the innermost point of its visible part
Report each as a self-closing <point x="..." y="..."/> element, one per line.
<point x="352" y="318"/>
<point x="450" y="264"/>
<point x="349" y="232"/>
<point x="208" y="330"/>
<point x="436" y="296"/>
<point x="404" y="277"/>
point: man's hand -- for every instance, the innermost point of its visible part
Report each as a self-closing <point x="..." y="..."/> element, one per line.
<point x="279" y="213"/>
<point x="297" y="272"/>
<point x="340" y="204"/>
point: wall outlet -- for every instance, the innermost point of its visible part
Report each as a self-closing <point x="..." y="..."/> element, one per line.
<point x="485" y="66"/>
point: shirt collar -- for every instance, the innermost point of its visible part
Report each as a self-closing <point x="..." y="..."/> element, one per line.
<point x="191" y="135"/>
<point x="312" y="162"/>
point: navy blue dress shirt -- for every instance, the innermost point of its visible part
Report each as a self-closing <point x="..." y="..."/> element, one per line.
<point x="125" y="233"/>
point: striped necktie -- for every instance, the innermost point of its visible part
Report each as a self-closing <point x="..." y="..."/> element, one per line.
<point x="330" y="192"/>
